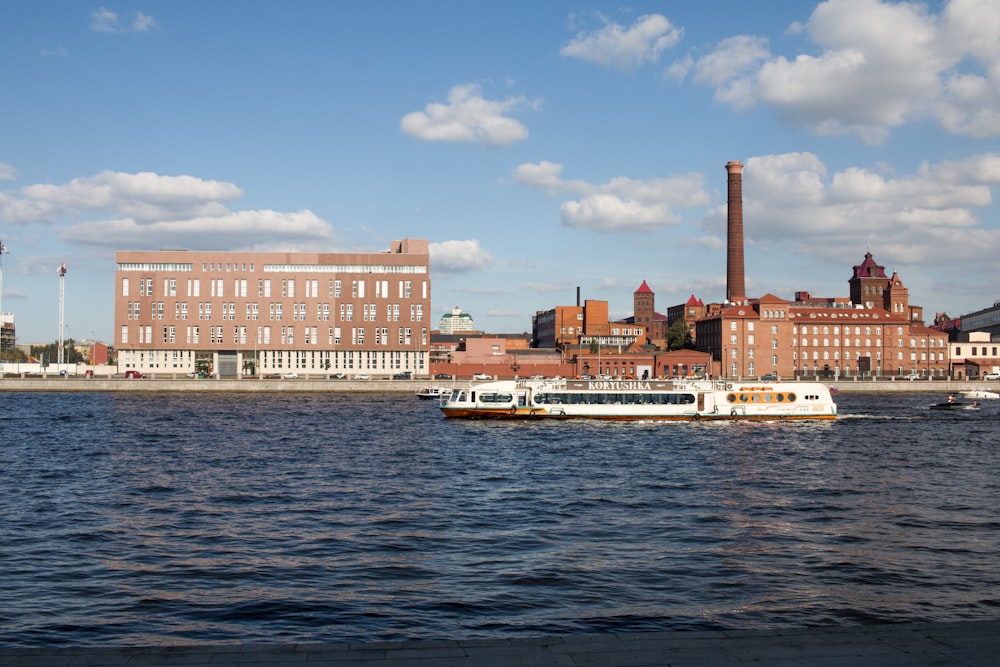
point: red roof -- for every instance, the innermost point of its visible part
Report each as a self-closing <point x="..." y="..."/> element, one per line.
<point x="692" y="301"/>
<point x="644" y="289"/>
<point x="869" y="269"/>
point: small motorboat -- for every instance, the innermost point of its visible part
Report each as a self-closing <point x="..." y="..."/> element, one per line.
<point x="954" y="404"/>
<point x="434" y="392"/>
<point x="980" y="394"/>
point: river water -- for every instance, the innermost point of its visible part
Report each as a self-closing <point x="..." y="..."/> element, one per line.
<point x="179" y="519"/>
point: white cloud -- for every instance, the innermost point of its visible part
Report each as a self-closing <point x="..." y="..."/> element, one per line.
<point x="105" y="20"/>
<point x="143" y="23"/>
<point x="144" y="196"/>
<point x="612" y="213"/>
<point x="234" y="230"/>
<point x="459" y="256"/>
<point x="930" y="214"/>
<point x="731" y="59"/>
<point x="7" y="172"/>
<point x="468" y="117"/>
<point x="877" y="66"/>
<point x="621" y="204"/>
<point x="545" y="288"/>
<point x="148" y="210"/>
<point x="625" y="48"/>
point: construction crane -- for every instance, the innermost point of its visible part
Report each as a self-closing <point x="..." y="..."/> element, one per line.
<point x="62" y="286"/>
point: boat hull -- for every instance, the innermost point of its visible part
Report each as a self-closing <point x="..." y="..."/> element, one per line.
<point x="696" y="416"/>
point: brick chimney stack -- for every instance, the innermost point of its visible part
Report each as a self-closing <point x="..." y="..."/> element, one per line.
<point x="735" y="286"/>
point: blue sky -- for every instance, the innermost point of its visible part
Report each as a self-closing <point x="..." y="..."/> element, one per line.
<point x="538" y="146"/>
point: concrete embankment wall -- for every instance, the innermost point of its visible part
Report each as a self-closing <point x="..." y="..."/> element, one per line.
<point x="70" y="383"/>
<point x="57" y="384"/>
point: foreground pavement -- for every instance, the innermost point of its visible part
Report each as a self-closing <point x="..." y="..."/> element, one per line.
<point x="962" y="643"/>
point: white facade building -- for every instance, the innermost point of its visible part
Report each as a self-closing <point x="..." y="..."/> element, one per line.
<point x="456" y="321"/>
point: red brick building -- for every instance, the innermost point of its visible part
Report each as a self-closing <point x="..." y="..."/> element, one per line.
<point x="875" y="333"/>
<point x="236" y="314"/>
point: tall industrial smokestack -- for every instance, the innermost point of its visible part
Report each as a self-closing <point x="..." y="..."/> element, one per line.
<point x="735" y="287"/>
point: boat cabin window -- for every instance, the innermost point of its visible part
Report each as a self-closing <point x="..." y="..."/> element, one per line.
<point x="491" y="397"/>
<point x="762" y="397"/>
<point x="612" y="398"/>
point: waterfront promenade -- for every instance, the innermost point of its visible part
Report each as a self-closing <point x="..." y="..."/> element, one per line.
<point x="960" y="643"/>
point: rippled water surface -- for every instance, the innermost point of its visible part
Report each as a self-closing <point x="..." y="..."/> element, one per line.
<point x="278" y="518"/>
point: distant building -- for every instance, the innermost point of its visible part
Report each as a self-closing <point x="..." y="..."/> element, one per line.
<point x="234" y="314"/>
<point x="987" y="320"/>
<point x="8" y="332"/>
<point x="876" y="332"/>
<point x="576" y="327"/>
<point x="456" y="321"/>
<point x="644" y="314"/>
<point x="973" y="354"/>
<point x="690" y="311"/>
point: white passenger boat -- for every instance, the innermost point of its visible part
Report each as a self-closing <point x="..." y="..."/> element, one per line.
<point x="641" y="399"/>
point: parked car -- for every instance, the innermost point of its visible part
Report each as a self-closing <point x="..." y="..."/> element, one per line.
<point x="442" y="376"/>
<point x="405" y="375"/>
<point x="992" y="376"/>
<point x="769" y="376"/>
<point x="362" y="376"/>
<point x="339" y="376"/>
<point x="290" y="376"/>
<point x="133" y="374"/>
<point x="482" y="376"/>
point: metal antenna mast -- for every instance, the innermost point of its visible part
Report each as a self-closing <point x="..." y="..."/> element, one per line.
<point x="62" y="287"/>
